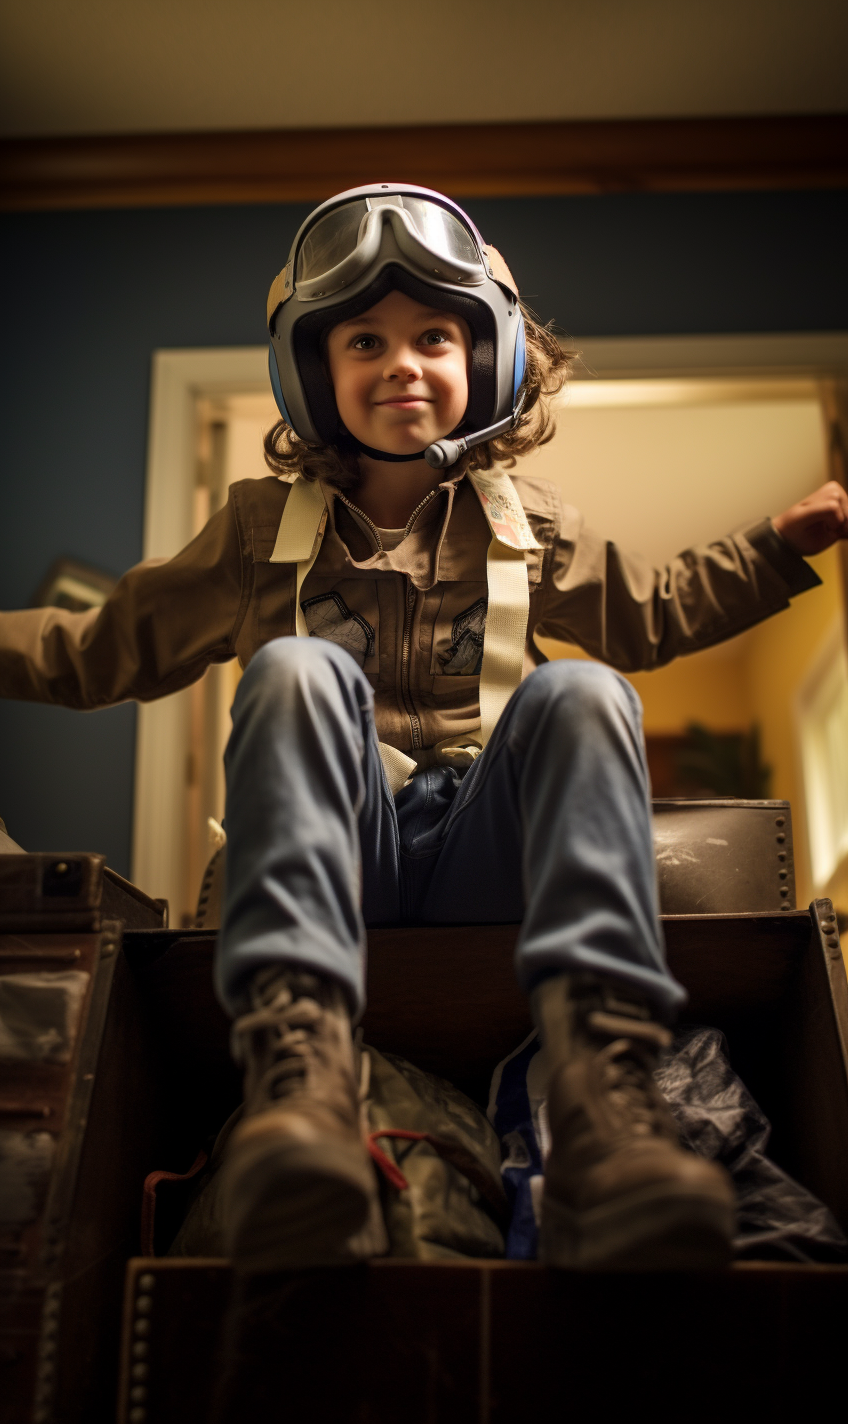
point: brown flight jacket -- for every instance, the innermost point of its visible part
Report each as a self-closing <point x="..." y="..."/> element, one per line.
<point x="413" y="618"/>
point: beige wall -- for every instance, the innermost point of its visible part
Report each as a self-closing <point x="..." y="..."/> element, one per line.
<point x="709" y="687"/>
<point x="779" y="658"/>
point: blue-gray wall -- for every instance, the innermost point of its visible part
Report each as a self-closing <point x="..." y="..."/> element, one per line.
<point x="90" y="295"/>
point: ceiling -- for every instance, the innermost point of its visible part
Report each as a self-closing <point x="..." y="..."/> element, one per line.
<point x="146" y="66"/>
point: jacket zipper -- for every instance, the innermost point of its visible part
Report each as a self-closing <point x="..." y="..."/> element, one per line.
<point x="417" y="510"/>
<point x="406" y="647"/>
<point x="408" y="615"/>
<point x="415" y="723"/>
<point x="373" y="527"/>
<point x="406" y="653"/>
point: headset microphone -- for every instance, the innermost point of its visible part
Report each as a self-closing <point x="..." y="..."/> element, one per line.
<point x="446" y="452"/>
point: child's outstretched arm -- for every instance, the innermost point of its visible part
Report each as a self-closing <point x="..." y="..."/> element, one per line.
<point x="621" y="609"/>
<point x="815" y="523"/>
<point x="158" y="631"/>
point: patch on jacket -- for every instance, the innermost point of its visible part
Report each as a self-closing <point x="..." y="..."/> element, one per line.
<point x="328" y="616"/>
<point x="464" y="657"/>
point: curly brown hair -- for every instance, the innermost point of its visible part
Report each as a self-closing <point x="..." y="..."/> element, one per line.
<point x="546" y="373"/>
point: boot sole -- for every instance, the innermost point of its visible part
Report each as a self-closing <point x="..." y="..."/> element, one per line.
<point x="291" y="1205"/>
<point x="655" y="1229"/>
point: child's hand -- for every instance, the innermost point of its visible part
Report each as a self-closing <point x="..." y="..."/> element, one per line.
<point x="816" y="522"/>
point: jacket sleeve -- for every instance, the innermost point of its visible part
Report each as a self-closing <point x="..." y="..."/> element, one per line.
<point x="618" y="608"/>
<point x="158" y="631"/>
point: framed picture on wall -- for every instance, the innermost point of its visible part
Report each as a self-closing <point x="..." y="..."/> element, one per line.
<point x="74" y="586"/>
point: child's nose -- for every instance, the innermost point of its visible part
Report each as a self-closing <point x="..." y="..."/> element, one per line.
<point x="402" y="364"/>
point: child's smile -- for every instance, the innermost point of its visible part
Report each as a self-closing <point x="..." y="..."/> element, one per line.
<point x="400" y="374"/>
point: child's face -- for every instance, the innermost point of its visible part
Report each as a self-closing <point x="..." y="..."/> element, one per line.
<point x="400" y="374"/>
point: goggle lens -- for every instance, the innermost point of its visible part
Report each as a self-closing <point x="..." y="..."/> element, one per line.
<point x="338" y="234"/>
<point x="440" y="232"/>
<point x="333" y="238"/>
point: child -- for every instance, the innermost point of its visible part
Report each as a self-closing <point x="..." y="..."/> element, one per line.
<point x="415" y="758"/>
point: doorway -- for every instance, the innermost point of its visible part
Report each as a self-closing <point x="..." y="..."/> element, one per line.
<point x="661" y="443"/>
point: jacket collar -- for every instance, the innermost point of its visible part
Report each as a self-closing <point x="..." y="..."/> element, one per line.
<point x="437" y="546"/>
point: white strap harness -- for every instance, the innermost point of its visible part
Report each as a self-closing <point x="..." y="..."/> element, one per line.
<point x="299" y="540"/>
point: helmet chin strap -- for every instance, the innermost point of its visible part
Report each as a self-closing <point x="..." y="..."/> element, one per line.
<point x="380" y="454"/>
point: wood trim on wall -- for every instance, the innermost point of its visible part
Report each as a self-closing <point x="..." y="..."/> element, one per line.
<point x="471" y="160"/>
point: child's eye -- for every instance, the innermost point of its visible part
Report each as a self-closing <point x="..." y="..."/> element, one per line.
<point x="434" y="338"/>
<point x="365" y="342"/>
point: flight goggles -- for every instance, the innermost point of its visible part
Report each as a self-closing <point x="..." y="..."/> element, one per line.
<point x="344" y="242"/>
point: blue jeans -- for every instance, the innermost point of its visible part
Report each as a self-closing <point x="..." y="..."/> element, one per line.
<point x="551" y="826"/>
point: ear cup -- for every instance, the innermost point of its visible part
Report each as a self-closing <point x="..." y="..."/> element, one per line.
<point x="275" y="385"/>
<point x="520" y="357"/>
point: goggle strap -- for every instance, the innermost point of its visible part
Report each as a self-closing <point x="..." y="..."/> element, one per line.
<point x="281" y="290"/>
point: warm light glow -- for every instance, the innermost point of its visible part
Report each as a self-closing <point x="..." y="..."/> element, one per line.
<point x="584" y="390"/>
<point x="823" y="735"/>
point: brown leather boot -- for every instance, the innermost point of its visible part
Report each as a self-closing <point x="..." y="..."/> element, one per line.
<point x="620" y="1192"/>
<point x="297" y="1182"/>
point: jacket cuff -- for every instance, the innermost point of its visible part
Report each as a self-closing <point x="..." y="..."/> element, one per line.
<point x="786" y="561"/>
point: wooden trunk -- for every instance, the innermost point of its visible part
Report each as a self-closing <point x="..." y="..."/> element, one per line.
<point x="149" y="1077"/>
<point x="490" y="1341"/>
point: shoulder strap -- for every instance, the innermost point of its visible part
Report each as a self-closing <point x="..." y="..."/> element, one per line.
<point x="505" y="634"/>
<point x="299" y="537"/>
<point x="509" y="594"/>
<point x="503" y="509"/>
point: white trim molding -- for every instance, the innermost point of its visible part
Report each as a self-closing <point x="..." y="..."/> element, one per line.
<point x="179" y="379"/>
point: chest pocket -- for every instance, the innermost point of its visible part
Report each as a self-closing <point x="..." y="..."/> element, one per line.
<point x="464" y="657"/>
<point x="328" y="616"/>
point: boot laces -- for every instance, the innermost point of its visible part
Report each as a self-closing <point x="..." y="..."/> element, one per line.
<point x="629" y="1085"/>
<point x="283" y="1029"/>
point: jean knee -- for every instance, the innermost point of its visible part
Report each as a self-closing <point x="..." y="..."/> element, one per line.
<point x="584" y="691"/>
<point x="284" y="663"/>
